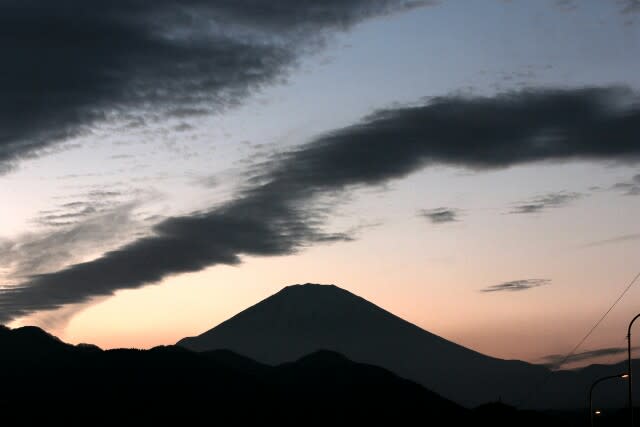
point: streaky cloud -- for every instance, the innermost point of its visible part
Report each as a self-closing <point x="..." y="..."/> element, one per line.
<point x="629" y="188"/>
<point x="67" y="242"/>
<point x="556" y="361"/>
<point x="629" y="6"/>
<point x="625" y="7"/>
<point x="440" y="215"/>
<point x="614" y="240"/>
<point x="517" y="285"/>
<point x="282" y="206"/>
<point x="542" y="203"/>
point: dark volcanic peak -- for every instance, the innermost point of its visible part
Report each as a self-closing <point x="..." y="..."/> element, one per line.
<point x="312" y="300"/>
<point x="311" y="322"/>
<point x="316" y="290"/>
<point x="302" y="319"/>
<point x="311" y="285"/>
<point x="317" y="286"/>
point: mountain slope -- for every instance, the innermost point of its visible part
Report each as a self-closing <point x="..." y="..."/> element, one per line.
<point x="301" y="319"/>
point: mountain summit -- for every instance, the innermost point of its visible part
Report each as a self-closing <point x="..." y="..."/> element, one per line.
<point x="301" y="319"/>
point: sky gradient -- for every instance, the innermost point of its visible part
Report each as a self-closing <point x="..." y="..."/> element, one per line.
<point x="470" y="168"/>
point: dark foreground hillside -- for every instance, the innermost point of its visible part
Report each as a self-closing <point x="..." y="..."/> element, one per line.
<point x="45" y="381"/>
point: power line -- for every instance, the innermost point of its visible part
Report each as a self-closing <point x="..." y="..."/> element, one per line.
<point x="599" y="321"/>
<point x="577" y="346"/>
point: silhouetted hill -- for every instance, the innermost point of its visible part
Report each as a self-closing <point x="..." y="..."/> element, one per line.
<point x="301" y="319"/>
<point x="71" y="384"/>
<point x="29" y="340"/>
<point x="173" y="381"/>
<point x="329" y="376"/>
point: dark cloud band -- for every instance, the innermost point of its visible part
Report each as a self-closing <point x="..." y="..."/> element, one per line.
<point x="71" y="63"/>
<point x="278" y="212"/>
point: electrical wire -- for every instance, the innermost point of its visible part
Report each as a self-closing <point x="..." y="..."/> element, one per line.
<point x="577" y="346"/>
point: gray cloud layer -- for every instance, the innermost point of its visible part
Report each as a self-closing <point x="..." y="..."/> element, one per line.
<point x="277" y="211"/>
<point x="440" y="215"/>
<point x="551" y="200"/>
<point x="517" y="285"/>
<point x="69" y="64"/>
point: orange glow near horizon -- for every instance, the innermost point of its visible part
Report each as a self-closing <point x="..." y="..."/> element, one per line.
<point x="428" y="275"/>
<point x="525" y="325"/>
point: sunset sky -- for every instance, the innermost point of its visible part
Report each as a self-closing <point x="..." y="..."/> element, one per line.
<point x="472" y="167"/>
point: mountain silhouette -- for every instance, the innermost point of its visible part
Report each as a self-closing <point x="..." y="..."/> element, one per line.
<point x="302" y="319"/>
<point x="40" y="375"/>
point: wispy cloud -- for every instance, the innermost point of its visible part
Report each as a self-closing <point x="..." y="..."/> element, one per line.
<point x="629" y="6"/>
<point x="517" y="285"/>
<point x="613" y="240"/>
<point x="278" y="212"/>
<point x="555" y="361"/>
<point x="542" y="203"/>
<point x="208" y="181"/>
<point x="54" y="218"/>
<point x="624" y="6"/>
<point x="440" y="215"/>
<point x="629" y="188"/>
<point x="567" y="5"/>
<point x="51" y="249"/>
<point x="84" y="206"/>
